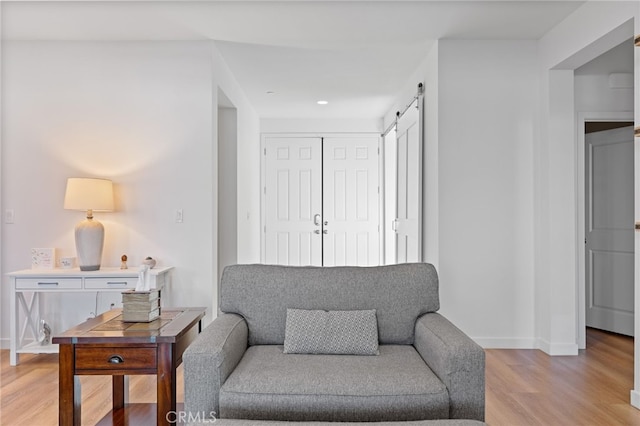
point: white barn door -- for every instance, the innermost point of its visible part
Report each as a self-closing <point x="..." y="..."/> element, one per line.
<point x="609" y="245"/>
<point x="321" y="201"/>
<point x="293" y="182"/>
<point x="408" y="223"/>
<point x="351" y="202"/>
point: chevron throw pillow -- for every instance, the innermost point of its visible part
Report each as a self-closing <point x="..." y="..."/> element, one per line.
<point x="331" y="332"/>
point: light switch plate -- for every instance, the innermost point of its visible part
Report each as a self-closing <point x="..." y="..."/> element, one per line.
<point x="9" y="216"/>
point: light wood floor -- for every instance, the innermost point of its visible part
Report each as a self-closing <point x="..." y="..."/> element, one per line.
<point x="523" y="387"/>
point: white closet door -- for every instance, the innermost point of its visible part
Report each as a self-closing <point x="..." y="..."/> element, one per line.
<point x="293" y="200"/>
<point x="351" y="201"/>
<point x="609" y="245"/>
<point x="408" y="225"/>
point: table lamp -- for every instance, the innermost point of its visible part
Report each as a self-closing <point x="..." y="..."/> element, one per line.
<point x="90" y="195"/>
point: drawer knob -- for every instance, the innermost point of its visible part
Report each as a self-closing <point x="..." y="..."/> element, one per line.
<point x="116" y="359"/>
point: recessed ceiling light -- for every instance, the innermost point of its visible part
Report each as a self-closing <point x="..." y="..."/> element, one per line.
<point x="322" y="102"/>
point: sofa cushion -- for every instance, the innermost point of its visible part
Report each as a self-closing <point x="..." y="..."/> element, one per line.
<point x="396" y="385"/>
<point x="331" y="332"/>
<point x="262" y="294"/>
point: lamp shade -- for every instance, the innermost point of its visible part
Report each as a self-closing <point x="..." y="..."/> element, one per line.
<point x="89" y="194"/>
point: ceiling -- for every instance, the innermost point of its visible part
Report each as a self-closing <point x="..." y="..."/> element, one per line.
<point x="357" y="55"/>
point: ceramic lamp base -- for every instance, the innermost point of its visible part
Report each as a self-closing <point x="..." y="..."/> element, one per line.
<point x="89" y="242"/>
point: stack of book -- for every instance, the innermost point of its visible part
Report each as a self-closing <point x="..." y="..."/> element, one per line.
<point x="140" y="306"/>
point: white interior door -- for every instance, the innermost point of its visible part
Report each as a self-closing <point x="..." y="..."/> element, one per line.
<point x="609" y="157"/>
<point x="293" y="185"/>
<point x="351" y="232"/>
<point x="390" y="152"/>
<point x="321" y="209"/>
<point x="408" y="224"/>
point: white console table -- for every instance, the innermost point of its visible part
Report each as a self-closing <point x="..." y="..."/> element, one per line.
<point x="27" y="286"/>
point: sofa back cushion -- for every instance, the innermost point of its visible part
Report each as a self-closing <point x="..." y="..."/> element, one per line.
<point x="263" y="293"/>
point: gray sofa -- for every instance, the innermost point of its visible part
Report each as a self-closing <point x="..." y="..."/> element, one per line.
<point x="426" y="367"/>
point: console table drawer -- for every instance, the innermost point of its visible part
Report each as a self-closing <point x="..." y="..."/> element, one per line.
<point x="48" y="283"/>
<point x="115" y="358"/>
<point x="118" y="283"/>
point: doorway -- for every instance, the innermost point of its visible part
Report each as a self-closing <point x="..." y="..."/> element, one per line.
<point x="321" y="200"/>
<point x="603" y="98"/>
<point x="227" y="211"/>
<point x="609" y="226"/>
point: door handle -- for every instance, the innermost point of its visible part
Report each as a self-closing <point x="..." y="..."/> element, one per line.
<point x="316" y="220"/>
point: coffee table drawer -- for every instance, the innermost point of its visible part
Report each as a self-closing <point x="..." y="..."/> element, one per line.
<point x="115" y="358"/>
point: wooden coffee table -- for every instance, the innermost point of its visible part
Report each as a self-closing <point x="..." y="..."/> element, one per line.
<point x="106" y="345"/>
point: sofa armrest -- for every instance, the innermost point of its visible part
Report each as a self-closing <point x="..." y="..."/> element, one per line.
<point x="457" y="360"/>
<point x="210" y="359"/>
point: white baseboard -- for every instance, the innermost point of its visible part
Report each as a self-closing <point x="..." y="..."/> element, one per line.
<point x="557" y="349"/>
<point x="5" y="343"/>
<point x="505" y="343"/>
<point x="635" y="398"/>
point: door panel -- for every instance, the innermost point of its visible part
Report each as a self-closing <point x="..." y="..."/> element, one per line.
<point x="350" y="201"/>
<point x="609" y="157"/>
<point x="408" y="225"/>
<point x="293" y="180"/>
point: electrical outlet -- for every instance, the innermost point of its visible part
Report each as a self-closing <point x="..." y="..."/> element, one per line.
<point x="179" y="216"/>
<point x="9" y="216"/>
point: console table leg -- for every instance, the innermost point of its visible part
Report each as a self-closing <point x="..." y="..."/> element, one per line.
<point x="13" y="308"/>
<point x="69" y="389"/>
<point x="166" y="384"/>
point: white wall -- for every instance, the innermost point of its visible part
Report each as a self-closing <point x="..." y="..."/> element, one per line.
<point x="593" y="92"/>
<point x="301" y="125"/>
<point x="4" y="304"/>
<point x="479" y="116"/>
<point x="142" y="114"/>
<point x="487" y="94"/>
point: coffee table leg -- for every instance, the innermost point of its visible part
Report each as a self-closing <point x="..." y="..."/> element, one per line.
<point x="68" y="388"/>
<point x="118" y="392"/>
<point x="166" y="385"/>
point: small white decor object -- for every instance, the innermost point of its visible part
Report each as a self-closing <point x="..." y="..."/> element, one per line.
<point x="43" y="258"/>
<point x="151" y="262"/>
<point x="67" y="262"/>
